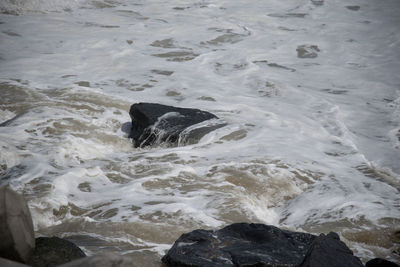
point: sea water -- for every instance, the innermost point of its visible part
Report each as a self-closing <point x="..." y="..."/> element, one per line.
<point x="309" y="89"/>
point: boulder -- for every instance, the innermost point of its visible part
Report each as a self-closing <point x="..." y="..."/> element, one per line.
<point x="329" y="251"/>
<point x="377" y="262"/>
<point x="156" y="123"/>
<point x="53" y="251"/>
<point x="16" y="227"/>
<point x="106" y="259"/>
<point x="239" y="244"/>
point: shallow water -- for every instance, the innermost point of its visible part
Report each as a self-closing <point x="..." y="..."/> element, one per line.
<point x="310" y="91"/>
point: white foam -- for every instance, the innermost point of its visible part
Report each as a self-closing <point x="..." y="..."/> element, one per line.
<point x="308" y="141"/>
<point x="6" y="115"/>
<point x="8" y="156"/>
<point x="41" y="6"/>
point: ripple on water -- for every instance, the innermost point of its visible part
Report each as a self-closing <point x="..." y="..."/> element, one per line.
<point x="177" y="56"/>
<point x="165" y="43"/>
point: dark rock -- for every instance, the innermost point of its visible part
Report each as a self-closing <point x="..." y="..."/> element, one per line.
<point x="155" y="123"/>
<point x="239" y="244"/>
<point x="377" y="262"/>
<point x="106" y="259"/>
<point x="53" y="251"/>
<point x="17" y="239"/>
<point x="329" y="251"/>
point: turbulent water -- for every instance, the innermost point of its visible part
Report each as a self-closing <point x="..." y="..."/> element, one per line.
<point x="310" y="91"/>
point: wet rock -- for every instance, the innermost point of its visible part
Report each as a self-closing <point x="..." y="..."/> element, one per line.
<point x="329" y="251"/>
<point x="377" y="262"/>
<point x="17" y="239"/>
<point x="8" y="263"/>
<point x="107" y="259"/>
<point x="155" y="123"/>
<point x="307" y="51"/>
<point x="53" y="251"/>
<point x="240" y="244"/>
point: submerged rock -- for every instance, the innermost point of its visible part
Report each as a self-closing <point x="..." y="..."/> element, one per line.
<point x="53" y="251"/>
<point x="329" y="251"/>
<point x="156" y="123"/>
<point x="240" y="244"/>
<point x="17" y="239"/>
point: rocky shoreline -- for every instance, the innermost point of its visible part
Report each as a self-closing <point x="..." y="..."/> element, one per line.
<point x="238" y="244"/>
